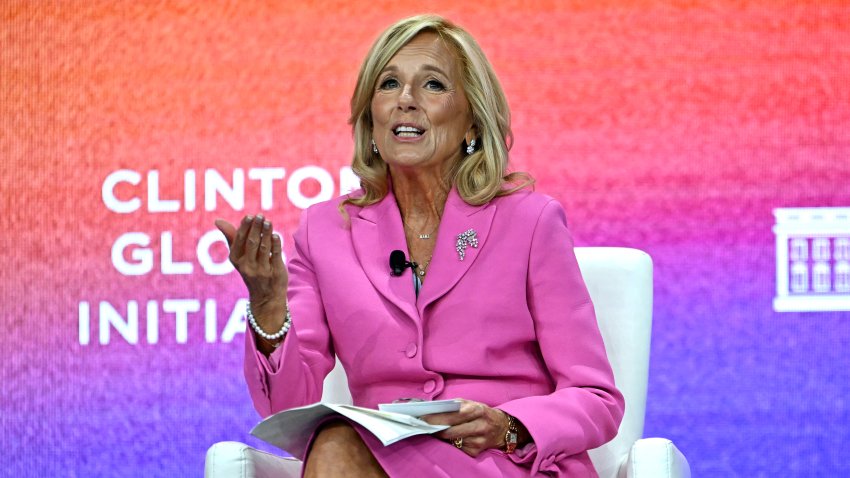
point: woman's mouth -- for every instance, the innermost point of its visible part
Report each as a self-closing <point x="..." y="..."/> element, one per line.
<point x="404" y="131"/>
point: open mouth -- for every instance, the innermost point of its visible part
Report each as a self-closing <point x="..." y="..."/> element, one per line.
<point x="405" y="131"/>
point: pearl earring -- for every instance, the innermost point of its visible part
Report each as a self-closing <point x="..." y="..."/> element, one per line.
<point x="374" y="147"/>
<point x="471" y="147"/>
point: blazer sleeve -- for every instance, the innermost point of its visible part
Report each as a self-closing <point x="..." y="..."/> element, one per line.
<point x="307" y="355"/>
<point x="586" y="408"/>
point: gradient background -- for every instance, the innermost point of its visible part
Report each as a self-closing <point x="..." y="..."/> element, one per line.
<point x="673" y="127"/>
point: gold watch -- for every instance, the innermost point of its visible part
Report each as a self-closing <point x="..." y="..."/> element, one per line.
<point x="511" y="436"/>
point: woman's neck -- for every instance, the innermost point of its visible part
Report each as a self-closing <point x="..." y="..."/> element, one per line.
<point x="421" y="199"/>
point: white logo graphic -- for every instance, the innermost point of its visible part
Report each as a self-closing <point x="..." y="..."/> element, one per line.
<point x="812" y="259"/>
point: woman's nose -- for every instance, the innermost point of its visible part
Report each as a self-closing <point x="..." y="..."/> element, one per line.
<point x="406" y="101"/>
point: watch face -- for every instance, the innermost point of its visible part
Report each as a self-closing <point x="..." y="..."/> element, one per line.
<point x="510" y="442"/>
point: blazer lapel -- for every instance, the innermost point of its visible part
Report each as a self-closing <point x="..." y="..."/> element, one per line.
<point x="376" y="231"/>
<point x="446" y="268"/>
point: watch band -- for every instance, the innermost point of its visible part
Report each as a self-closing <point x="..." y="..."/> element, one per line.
<point x="511" y="436"/>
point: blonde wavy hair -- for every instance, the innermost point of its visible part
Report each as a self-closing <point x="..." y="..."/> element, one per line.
<point x="480" y="176"/>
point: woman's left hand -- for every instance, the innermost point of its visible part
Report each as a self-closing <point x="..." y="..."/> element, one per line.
<point x="481" y="427"/>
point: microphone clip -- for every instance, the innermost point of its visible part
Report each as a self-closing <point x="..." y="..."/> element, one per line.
<point x="399" y="262"/>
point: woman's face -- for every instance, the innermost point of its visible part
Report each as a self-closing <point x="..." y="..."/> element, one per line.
<point x="420" y="115"/>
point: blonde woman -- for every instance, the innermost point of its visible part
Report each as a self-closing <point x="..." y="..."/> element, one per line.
<point x="486" y="305"/>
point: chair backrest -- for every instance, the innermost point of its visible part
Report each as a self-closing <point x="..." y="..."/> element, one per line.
<point x="620" y="284"/>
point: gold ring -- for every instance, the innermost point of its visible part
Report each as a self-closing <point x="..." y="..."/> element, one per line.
<point x="458" y="442"/>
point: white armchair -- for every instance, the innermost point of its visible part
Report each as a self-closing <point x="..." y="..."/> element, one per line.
<point x="620" y="284"/>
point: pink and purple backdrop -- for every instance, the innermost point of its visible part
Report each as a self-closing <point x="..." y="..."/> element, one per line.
<point x="673" y="127"/>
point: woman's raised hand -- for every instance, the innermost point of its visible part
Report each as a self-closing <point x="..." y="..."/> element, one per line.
<point x="256" y="253"/>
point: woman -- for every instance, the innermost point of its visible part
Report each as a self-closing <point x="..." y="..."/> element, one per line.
<point x="492" y="310"/>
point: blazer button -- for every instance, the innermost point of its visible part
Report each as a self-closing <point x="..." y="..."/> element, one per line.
<point x="410" y="351"/>
<point x="429" y="386"/>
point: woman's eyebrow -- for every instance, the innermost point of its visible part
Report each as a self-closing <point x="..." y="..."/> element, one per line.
<point x="427" y="67"/>
<point x="435" y="68"/>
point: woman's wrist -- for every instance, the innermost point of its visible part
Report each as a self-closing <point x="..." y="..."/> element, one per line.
<point x="515" y="434"/>
<point x="267" y="347"/>
<point x="271" y="339"/>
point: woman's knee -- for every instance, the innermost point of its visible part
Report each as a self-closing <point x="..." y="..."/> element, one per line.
<point x="338" y="450"/>
<point x="336" y="434"/>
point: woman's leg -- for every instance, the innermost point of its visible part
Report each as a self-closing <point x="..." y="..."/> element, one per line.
<point x="338" y="451"/>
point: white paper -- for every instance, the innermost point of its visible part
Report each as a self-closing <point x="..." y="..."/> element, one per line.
<point x="290" y="430"/>
<point x="417" y="409"/>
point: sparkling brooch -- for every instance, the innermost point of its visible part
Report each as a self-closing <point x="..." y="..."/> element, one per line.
<point x="466" y="239"/>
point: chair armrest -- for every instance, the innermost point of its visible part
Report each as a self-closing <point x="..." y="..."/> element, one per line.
<point x="655" y="458"/>
<point x="229" y="458"/>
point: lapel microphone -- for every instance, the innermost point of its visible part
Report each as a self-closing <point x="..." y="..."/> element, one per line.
<point x="398" y="263"/>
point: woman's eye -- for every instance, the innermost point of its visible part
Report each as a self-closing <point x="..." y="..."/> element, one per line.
<point x="435" y="85"/>
<point x="388" y="83"/>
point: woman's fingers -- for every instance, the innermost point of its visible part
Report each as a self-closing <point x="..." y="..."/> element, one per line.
<point x="449" y="418"/>
<point x="238" y="246"/>
<point x="278" y="268"/>
<point x="460" y="420"/>
<point x="250" y="245"/>
<point x="264" y="251"/>
<point x="469" y="429"/>
<point x="252" y="242"/>
<point x="472" y="445"/>
<point x="229" y="230"/>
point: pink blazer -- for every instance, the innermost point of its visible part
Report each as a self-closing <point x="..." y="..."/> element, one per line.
<point x="510" y="325"/>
